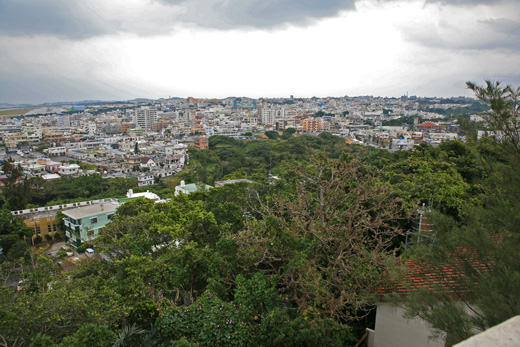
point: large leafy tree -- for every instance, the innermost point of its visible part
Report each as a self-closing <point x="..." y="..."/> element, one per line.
<point x="17" y="190"/>
<point x="254" y="316"/>
<point x="173" y="241"/>
<point x="56" y="305"/>
<point x="142" y="228"/>
<point x="12" y="234"/>
<point x="429" y="176"/>
<point x="330" y="240"/>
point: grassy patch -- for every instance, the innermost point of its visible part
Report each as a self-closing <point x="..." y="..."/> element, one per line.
<point x="87" y="166"/>
<point x="15" y="111"/>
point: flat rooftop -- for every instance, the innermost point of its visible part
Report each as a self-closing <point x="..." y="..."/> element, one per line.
<point x="91" y="210"/>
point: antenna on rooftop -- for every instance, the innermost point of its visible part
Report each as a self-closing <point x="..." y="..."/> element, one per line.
<point x="423" y="230"/>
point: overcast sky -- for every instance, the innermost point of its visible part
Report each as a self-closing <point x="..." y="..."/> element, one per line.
<point x="68" y="50"/>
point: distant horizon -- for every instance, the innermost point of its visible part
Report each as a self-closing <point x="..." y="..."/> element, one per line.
<point x="94" y="101"/>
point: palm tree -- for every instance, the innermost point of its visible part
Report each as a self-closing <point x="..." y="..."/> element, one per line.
<point x="132" y="336"/>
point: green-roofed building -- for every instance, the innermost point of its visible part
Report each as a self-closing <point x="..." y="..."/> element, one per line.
<point x="190" y="188"/>
<point x="83" y="223"/>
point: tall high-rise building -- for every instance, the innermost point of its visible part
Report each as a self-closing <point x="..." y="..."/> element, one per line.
<point x="270" y="113"/>
<point x="144" y="117"/>
<point x="63" y="121"/>
<point x="267" y="115"/>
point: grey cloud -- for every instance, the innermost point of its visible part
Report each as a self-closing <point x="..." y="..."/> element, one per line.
<point x="172" y="2"/>
<point x="59" y="18"/>
<point x="504" y="26"/>
<point x="462" y="2"/>
<point x="486" y="34"/>
<point x="260" y="14"/>
<point x="493" y="26"/>
<point x="82" y="19"/>
<point x="506" y="33"/>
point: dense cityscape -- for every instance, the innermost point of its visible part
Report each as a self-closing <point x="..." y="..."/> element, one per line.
<point x="155" y="134"/>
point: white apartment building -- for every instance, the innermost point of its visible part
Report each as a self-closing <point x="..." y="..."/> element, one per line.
<point x="91" y="128"/>
<point x="144" y="117"/>
<point x="270" y="113"/>
<point x="63" y="121"/>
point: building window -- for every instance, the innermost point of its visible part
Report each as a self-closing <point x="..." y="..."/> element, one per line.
<point x="49" y="228"/>
<point x="37" y="230"/>
<point x="110" y="216"/>
<point x="93" y="220"/>
<point x="54" y="227"/>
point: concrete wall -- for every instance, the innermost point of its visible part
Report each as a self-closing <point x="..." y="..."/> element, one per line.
<point x="506" y="334"/>
<point x="28" y="212"/>
<point x="392" y="329"/>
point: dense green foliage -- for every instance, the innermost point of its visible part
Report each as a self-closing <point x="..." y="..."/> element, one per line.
<point x="34" y="192"/>
<point x="69" y="189"/>
<point x="16" y="189"/>
<point x="230" y="158"/>
<point x="12" y="233"/>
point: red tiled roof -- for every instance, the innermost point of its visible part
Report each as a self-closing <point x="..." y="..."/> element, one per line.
<point x="427" y="125"/>
<point x="446" y="277"/>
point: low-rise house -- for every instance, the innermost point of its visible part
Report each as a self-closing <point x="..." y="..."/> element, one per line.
<point x="50" y="176"/>
<point x="143" y="178"/>
<point x="172" y="161"/>
<point x="190" y="188"/>
<point x="147" y="162"/>
<point x="43" y="224"/>
<point x="52" y="166"/>
<point x="404" y="144"/>
<point x="427" y="127"/>
<point x="34" y="170"/>
<point x="177" y="149"/>
<point x="393" y="328"/>
<point x="133" y="160"/>
<point x="82" y="224"/>
<point x="74" y="154"/>
<point x="417" y="135"/>
<point x="442" y="136"/>
<point x="163" y="172"/>
<point x="55" y="151"/>
<point x="148" y="195"/>
<point x="68" y="170"/>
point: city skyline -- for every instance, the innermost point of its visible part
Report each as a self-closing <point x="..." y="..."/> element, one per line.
<point x="119" y="50"/>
